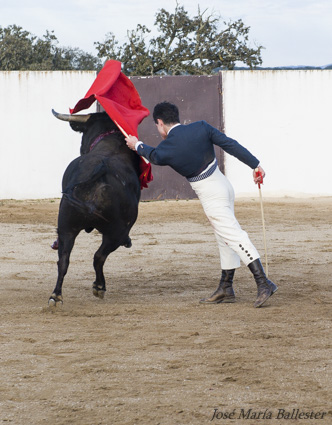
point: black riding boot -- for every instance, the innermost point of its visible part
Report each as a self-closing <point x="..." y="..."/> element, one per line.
<point x="225" y="292"/>
<point x="265" y="288"/>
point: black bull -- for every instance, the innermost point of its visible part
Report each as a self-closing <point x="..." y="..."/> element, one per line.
<point x="101" y="190"/>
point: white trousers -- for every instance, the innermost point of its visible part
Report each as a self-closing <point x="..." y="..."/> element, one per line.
<point x="217" y="198"/>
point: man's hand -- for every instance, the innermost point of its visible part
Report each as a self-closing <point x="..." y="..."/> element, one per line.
<point x="131" y="142"/>
<point x="259" y="175"/>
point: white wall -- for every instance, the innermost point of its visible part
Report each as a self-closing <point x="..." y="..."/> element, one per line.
<point x="35" y="147"/>
<point x="282" y="117"/>
<point x="285" y="119"/>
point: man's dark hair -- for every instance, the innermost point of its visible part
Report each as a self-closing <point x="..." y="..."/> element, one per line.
<point x="167" y="112"/>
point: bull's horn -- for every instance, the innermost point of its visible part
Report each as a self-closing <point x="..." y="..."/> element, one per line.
<point x="71" y="118"/>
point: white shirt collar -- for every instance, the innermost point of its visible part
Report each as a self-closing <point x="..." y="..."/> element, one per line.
<point x="175" y="125"/>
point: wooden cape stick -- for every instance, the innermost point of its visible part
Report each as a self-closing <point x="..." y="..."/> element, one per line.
<point x="126" y="135"/>
<point x="263" y="221"/>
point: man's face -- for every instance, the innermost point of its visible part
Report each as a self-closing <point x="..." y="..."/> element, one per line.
<point x="161" y="128"/>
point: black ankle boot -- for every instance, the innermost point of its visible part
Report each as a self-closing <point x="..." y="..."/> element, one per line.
<point x="225" y="292"/>
<point x="265" y="288"/>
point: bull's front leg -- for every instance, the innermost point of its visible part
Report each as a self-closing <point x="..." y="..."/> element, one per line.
<point x="66" y="243"/>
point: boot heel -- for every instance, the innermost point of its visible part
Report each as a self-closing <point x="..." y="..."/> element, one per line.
<point x="230" y="299"/>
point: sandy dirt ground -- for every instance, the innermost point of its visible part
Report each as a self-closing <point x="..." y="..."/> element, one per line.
<point x="149" y="353"/>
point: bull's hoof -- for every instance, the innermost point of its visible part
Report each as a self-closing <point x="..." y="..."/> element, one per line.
<point x="128" y="243"/>
<point x="98" y="291"/>
<point x="55" y="301"/>
<point x="55" y="245"/>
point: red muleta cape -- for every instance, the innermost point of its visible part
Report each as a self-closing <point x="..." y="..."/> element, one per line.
<point x="122" y="103"/>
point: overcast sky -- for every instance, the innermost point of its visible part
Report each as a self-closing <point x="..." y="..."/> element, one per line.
<point x="293" y="32"/>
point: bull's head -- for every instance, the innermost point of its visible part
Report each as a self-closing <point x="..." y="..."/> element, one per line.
<point x="91" y="125"/>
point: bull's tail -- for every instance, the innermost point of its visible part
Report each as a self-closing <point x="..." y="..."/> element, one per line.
<point x="86" y="206"/>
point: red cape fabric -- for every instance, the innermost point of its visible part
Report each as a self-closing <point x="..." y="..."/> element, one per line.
<point x="122" y="103"/>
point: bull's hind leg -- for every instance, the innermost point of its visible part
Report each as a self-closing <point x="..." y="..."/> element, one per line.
<point x="66" y="243"/>
<point x="107" y="246"/>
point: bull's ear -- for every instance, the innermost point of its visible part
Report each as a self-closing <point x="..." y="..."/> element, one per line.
<point x="78" y="126"/>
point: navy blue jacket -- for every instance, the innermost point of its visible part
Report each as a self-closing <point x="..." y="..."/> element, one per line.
<point x="188" y="149"/>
